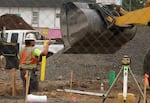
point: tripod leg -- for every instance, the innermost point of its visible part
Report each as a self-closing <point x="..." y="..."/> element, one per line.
<point x="136" y="82"/>
<point x="109" y="90"/>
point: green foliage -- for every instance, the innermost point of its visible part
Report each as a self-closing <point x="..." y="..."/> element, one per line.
<point x="131" y="5"/>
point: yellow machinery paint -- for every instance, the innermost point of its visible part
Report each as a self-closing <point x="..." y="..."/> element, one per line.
<point x="133" y="17"/>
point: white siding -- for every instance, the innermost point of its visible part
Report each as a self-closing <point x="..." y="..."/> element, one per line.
<point x="47" y="16"/>
<point x="26" y="14"/>
<point x="57" y="20"/>
<point x="118" y="2"/>
<point x="14" y="10"/>
<point x="4" y="11"/>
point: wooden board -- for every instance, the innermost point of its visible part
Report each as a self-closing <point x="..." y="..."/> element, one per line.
<point x="130" y="98"/>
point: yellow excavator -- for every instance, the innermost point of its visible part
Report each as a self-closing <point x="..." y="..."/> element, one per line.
<point x="98" y="28"/>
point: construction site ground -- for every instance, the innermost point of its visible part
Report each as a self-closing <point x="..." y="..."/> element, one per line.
<point x="49" y="88"/>
<point x="89" y="71"/>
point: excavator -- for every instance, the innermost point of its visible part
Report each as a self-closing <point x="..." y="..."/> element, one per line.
<point x="104" y="29"/>
<point x="97" y="28"/>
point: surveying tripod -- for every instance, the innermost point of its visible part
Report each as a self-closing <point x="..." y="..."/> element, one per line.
<point x="125" y="69"/>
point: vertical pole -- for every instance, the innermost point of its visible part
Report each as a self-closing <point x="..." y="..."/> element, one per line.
<point x="130" y="4"/>
<point x="146" y="83"/>
<point x="13" y="72"/>
<point x="43" y="65"/>
<point x="144" y="91"/>
<point x="27" y="76"/>
<point x="71" y="79"/>
<point x="125" y="81"/>
<point x="3" y="34"/>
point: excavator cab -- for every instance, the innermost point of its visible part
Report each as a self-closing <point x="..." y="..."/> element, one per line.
<point x="85" y="28"/>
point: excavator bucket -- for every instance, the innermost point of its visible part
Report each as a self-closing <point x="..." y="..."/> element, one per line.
<point x="85" y="29"/>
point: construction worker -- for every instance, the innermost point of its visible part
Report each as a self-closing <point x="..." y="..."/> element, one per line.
<point x="29" y="57"/>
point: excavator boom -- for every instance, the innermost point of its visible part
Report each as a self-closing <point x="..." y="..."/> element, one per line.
<point x="137" y="17"/>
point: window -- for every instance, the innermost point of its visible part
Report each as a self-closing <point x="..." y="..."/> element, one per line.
<point x="37" y="35"/>
<point x="58" y="15"/>
<point x="35" y="17"/>
<point x="14" y="37"/>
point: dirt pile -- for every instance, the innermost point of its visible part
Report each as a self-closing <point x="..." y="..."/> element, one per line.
<point x="12" y="21"/>
<point x="90" y="66"/>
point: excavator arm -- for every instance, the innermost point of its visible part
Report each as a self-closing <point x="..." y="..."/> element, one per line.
<point x="137" y="17"/>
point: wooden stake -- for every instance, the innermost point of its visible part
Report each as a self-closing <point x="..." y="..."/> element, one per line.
<point x="74" y="99"/>
<point x="13" y="72"/>
<point x="71" y="80"/>
<point x="146" y="76"/>
<point x="144" y="91"/>
<point x="27" y="76"/>
<point x="130" y="98"/>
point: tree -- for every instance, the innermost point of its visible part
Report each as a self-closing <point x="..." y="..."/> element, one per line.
<point x="133" y="4"/>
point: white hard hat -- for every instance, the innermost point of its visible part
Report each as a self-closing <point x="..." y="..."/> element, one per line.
<point x="30" y="36"/>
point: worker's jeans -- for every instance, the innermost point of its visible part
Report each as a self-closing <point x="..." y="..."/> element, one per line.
<point x="33" y="87"/>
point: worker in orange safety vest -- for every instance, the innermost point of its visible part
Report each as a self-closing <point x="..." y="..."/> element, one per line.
<point x="29" y="59"/>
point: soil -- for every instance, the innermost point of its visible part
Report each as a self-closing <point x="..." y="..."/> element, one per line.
<point x="50" y="89"/>
<point x="12" y="21"/>
<point x="89" y="71"/>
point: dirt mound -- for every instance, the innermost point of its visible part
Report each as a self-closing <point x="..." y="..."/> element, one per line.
<point x="90" y="66"/>
<point x="12" y="21"/>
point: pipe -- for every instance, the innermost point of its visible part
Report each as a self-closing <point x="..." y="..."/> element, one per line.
<point x="36" y="98"/>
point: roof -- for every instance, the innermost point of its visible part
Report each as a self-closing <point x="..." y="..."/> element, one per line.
<point x="36" y="3"/>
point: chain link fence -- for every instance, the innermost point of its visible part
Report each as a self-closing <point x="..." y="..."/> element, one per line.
<point x="92" y="49"/>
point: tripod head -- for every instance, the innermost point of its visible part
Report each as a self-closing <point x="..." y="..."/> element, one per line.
<point x="126" y="60"/>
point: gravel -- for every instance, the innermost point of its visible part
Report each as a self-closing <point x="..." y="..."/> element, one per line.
<point x="91" y="66"/>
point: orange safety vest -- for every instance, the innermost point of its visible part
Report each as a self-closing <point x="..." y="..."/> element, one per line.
<point x="27" y="58"/>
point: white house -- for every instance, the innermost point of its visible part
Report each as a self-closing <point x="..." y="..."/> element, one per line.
<point x="41" y="14"/>
<point x="118" y="2"/>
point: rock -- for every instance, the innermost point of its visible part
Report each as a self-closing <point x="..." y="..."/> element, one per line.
<point x="60" y="77"/>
